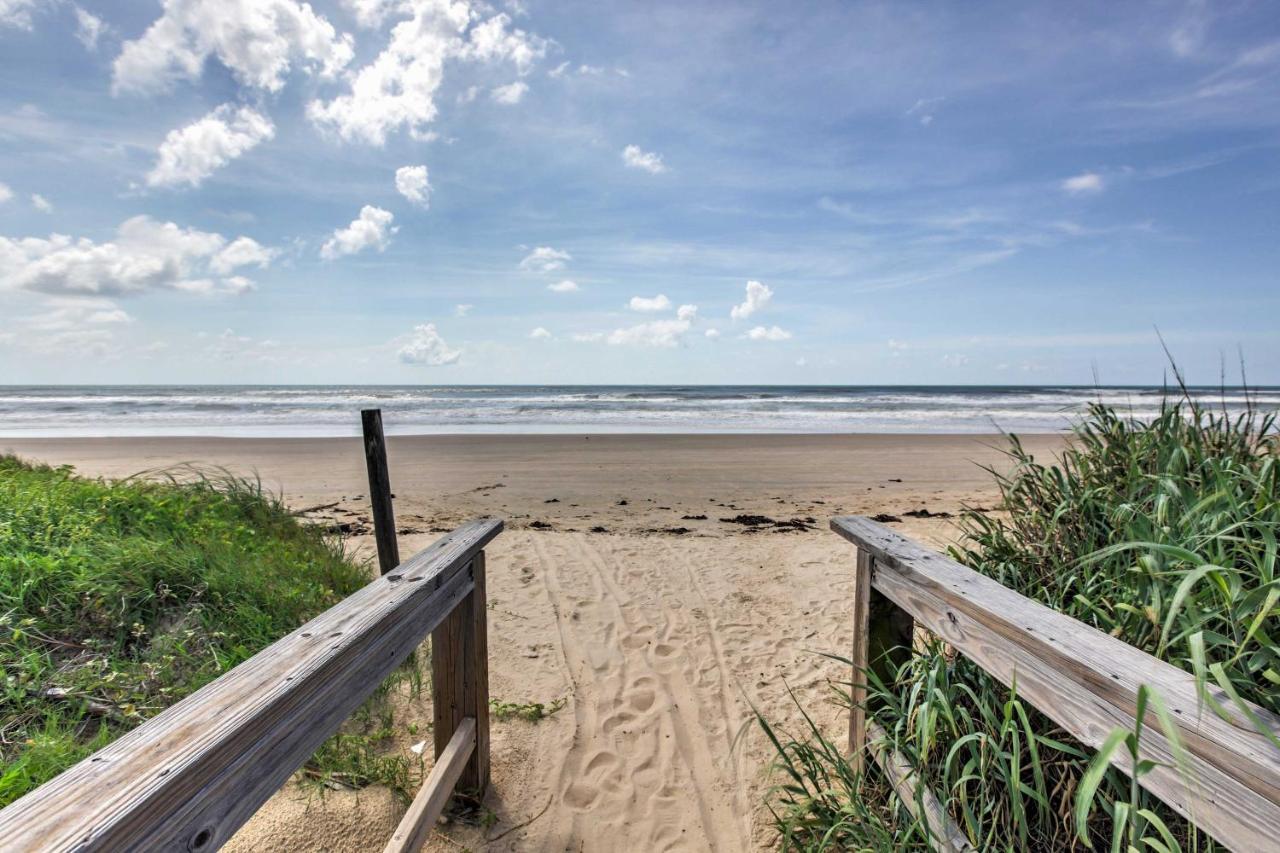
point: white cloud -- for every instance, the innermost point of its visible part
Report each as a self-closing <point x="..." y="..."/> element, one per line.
<point x="565" y="286"/>
<point x="687" y="312"/>
<point x="462" y="310"/>
<point x="712" y="333"/>
<point x="955" y="360"/>
<point x="588" y="337"/>
<point x="649" y="304"/>
<point x="559" y="70"/>
<point x="190" y="154"/>
<point x="545" y="259"/>
<point x="145" y="255"/>
<point x="1083" y="184"/>
<point x="510" y="93"/>
<point x="398" y="88"/>
<point x="924" y="109"/>
<point x="16" y="13"/>
<point x="773" y="333"/>
<point x="636" y="158"/>
<point x="242" y="252"/>
<point x="412" y="183"/>
<point x="371" y="229"/>
<point x="89" y="28"/>
<point x="540" y="334"/>
<point x="659" y="333"/>
<point x="758" y="296"/>
<point x="259" y="41"/>
<point x="41" y="203"/>
<point x="425" y="346"/>
<point x="468" y="94"/>
<point x="5" y="193"/>
<point x="802" y="362"/>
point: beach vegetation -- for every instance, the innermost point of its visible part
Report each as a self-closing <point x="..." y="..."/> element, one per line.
<point x="119" y="598"/>
<point x="1161" y="532"/>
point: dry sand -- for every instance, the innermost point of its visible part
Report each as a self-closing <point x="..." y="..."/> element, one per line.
<point x="661" y="628"/>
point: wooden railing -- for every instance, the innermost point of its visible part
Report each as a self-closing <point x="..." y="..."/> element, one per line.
<point x="1225" y="778"/>
<point x="191" y="776"/>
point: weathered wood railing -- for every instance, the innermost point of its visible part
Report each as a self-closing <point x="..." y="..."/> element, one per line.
<point x="192" y="775"/>
<point x="1226" y="777"/>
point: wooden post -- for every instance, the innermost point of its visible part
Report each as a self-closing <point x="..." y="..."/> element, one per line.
<point x="460" y="679"/>
<point x="384" y="518"/>
<point x="882" y="640"/>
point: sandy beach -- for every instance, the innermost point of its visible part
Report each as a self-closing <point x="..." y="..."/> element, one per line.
<point x="627" y="584"/>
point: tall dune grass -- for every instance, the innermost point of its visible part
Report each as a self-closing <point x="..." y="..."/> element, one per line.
<point x="119" y="598"/>
<point x="1162" y="533"/>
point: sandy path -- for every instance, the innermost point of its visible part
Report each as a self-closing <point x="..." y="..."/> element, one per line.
<point x="661" y="642"/>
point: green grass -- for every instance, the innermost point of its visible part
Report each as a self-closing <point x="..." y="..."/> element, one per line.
<point x="119" y="598"/>
<point x="1161" y="533"/>
<point x="530" y="712"/>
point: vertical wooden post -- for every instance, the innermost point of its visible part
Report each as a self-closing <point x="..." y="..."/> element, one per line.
<point x="883" y="634"/>
<point x="384" y="518"/>
<point x="860" y="658"/>
<point x="460" y="679"/>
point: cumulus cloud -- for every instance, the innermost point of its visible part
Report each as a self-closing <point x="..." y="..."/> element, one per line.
<point x="540" y="334"/>
<point x="16" y="13"/>
<point x="659" y="333"/>
<point x="190" y="154"/>
<point x="398" y="88"/>
<point x="1083" y="184"/>
<point x="5" y="193"/>
<point x="545" y="259"/>
<point x="509" y="94"/>
<point x="146" y="255"/>
<point x="565" y="286"/>
<point x="425" y="346"/>
<point x="758" y="296"/>
<point x="371" y="229"/>
<point x="637" y="158"/>
<point x="772" y="333"/>
<point x="712" y="333"/>
<point x="412" y="183"/>
<point x="89" y="28"/>
<point x="41" y="203"/>
<point x="649" y="304"/>
<point x="462" y="310"/>
<point x="258" y="41"/>
<point x="687" y="312"/>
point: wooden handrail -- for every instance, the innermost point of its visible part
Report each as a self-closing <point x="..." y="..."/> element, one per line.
<point x="1225" y="780"/>
<point x="192" y="775"/>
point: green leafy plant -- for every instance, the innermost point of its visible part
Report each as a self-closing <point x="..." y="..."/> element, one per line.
<point x="530" y="712"/>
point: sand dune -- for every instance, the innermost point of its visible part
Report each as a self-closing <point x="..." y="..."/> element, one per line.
<point x="662" y="630"/>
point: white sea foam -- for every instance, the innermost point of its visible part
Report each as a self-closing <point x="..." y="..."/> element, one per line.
<point x="317" y="411"/>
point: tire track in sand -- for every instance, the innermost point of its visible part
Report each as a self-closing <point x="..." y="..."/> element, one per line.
<point x="646" y="768"/>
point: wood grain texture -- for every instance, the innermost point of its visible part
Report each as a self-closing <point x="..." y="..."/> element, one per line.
<point x="416" y="825"/>
<point x="188" y="778"/>
<point x="944" y="834"/>
<point x="1087" y="682"/>
<point x="384" y="516"/>
<point x="460" y="680"/>
<point x="860" y="656"/>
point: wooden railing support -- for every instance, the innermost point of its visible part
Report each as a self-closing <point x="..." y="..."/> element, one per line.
<point x="384" y="516"/>
<point x="882" y="637"/>
<point x="1222" y="774"/>
<point x="460" y="680"/>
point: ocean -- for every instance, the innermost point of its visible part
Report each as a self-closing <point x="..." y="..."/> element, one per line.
<point x="308" y="410"/>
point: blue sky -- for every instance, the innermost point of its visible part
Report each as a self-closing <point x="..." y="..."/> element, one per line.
<point x="581" y="192"/>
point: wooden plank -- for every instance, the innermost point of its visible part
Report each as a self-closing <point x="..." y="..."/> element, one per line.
<point x="188" y="778"/>
<point x="415" y="827"/>
<point x="944" y="834"/>
<point x="860" y="657"/>
<point x="460" y="680"/>
<point x="384" y="517"/>
<point x="1087" y="682"/>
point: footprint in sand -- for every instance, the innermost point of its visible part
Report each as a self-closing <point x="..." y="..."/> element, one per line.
<point x="600" y="774"/>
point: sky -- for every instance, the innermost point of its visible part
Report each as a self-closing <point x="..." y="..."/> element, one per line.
<point x="448" y="191"/>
